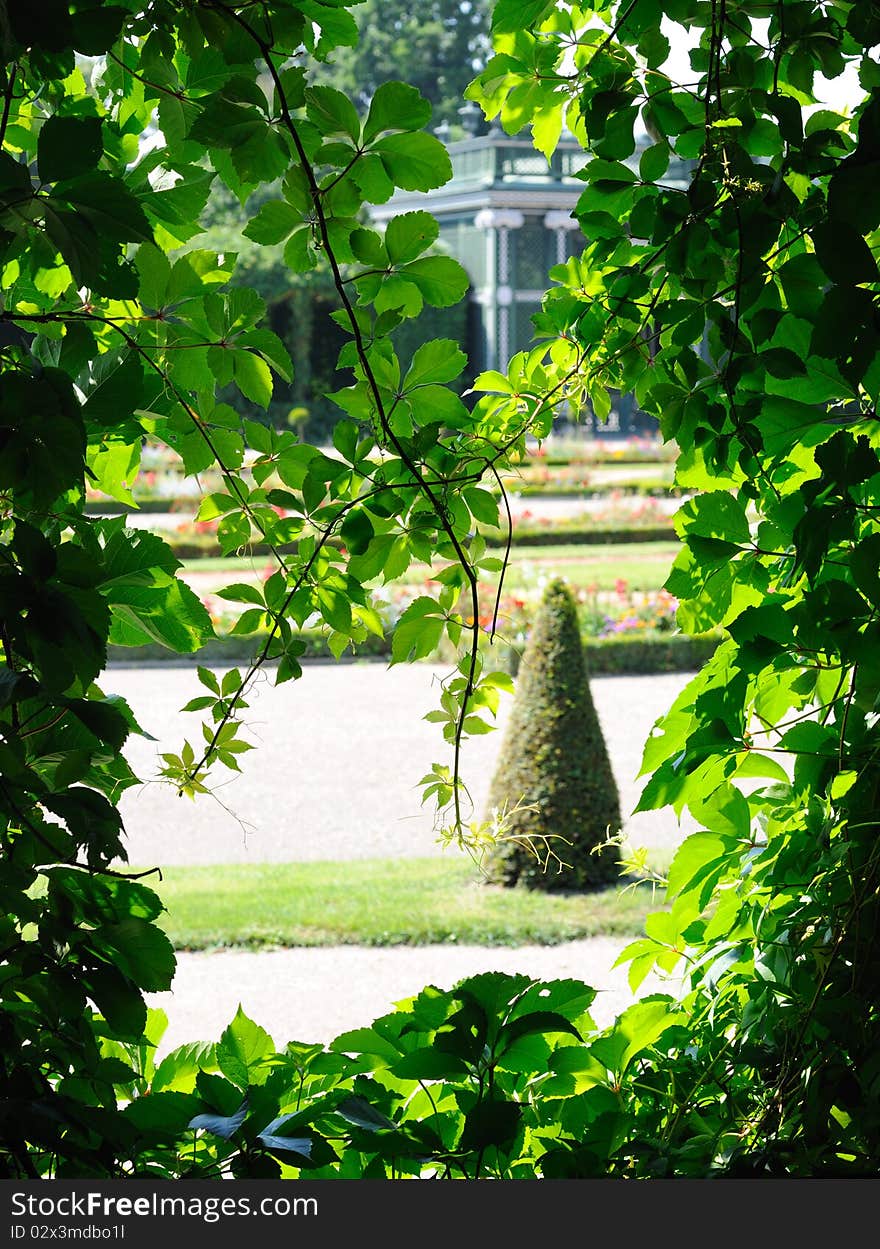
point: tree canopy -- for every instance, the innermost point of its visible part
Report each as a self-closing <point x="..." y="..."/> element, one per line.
<point x="435" y="45"/>
<point x="740" y="309"/>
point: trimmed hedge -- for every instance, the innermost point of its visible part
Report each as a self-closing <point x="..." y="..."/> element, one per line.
<point x="150" y="505"/>
<point x="673" y="652"/>
<point x="647" y="489"/>
<point x="613" y="656"/>
<point x="206" y="547"/>
<point x="561" y="490"/>
<point x="559" y="535"/>
<point x="553" y="780"/>
<point x="239" y="650"/>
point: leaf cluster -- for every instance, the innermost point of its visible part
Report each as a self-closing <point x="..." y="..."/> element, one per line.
<point x="730" y="283"/>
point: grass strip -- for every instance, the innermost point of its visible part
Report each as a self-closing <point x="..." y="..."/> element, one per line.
<point x="380" y="902"/>
<point x="643" y="565"/>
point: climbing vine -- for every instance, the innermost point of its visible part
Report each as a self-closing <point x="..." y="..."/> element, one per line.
<point x="116" y="121"/>
<point x="738" y="304"/>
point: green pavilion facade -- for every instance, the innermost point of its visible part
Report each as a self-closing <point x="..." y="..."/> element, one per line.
<point x="506" y="216"/>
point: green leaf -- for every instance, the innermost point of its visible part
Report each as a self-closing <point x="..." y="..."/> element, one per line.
<point x="438" y="361"/>
<point x="332" y="112"/>
<point x="110" y="899"/>
<point x="241" y="593"/>
<point x="299" y="251"/>
<point x="253" y="377"/>
<point x="410" y="234"/>
<point x="139" y="950"/>
<point x="427" y="1064"/>
<point x="441" y="280"/>
<point x="335" y="607"/>
<point x="95" y="29"/>
<point x="117" y="1000"/>
<point x="107" y="205"/>
<point x="163" y="1114"/>
<point x="369" y="248"/>
<point x="414" y="162"/>
<point x="115" y="465"/>
<point x="155" y="275"/>
<point x="714" y="515"/>
<point x="544" y="1022"/>
<point x="482" y="504"/>
<point x="43" y="444"/>
<point x="241" y="1050"/>
<point x="170" y="614"/>
<point x="272" y="224"/>
<point x="490" y="1123"/>
<point x="178" y="1070"/>
<point x="68" y="146"/>
<point x="725" y="811"/>
<point x="132" y="557"/>
<point x="694" y="855"/>
<point x="417" y="632"/>
<point x="438" y="405"/>
<point x="638" y="1028"/>
<point x="570" y="998"/>
<point x="510" y="16"/>
<point x="357" y="531"/>
<point x="396" y="106"/>
<point x="844" y="254"/>
<point x="865" y="564"/>
<point x="365" y="1041"/>
<point x="654" y="162"/>
<point x="118" y="390"/>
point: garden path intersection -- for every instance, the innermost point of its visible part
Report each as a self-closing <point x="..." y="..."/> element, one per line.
<point x="333" y="733"/>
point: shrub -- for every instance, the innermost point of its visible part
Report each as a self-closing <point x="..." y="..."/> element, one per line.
<point x="554" y="776"/>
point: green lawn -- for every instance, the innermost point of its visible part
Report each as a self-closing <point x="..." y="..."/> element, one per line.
<point x="642" y="565"/>
<point x="380" y="902"/>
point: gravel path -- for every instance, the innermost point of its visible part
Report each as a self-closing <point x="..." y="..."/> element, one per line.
<point x="338" y="759"/>
<point x="553" y="507"/>
<point x="334" y="777"/>
<point x="314" y="995"/>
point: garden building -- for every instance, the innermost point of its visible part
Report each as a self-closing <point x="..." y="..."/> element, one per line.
<point x="506" y="216"/>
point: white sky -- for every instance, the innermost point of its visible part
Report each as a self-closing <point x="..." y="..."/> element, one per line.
<point x="840" y="93"/>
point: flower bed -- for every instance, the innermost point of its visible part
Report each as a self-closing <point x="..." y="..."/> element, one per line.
<point x="559" y="449"/>
<point x="624" y="632"/>
<point x="616" y="523"/>
<point x="525" y="487"/>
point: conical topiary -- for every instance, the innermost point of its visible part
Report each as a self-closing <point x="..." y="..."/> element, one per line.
<point x="553" y="774"/>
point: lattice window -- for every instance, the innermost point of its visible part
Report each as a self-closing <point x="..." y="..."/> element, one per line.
<point x="534" y="249"/>
<point x="477" y="163"/>
<point x="468" y="245"/>
<point x="571" y="162"/>
<point x="524" y="332"/>
<point x="525" y="165"/>
<point x="575" y="243"/>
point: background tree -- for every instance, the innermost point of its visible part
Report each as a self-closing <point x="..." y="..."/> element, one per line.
<point x="553" y="773"/>
<point x="437" y="45"/>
